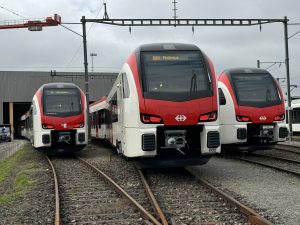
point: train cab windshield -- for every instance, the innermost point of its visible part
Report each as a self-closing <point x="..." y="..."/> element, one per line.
<point x="175" y="75"/>
<point x="256" y="90"/>
<point x="61" y="102"/>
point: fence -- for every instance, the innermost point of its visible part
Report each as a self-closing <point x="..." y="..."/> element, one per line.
<point x="9" y="148"/>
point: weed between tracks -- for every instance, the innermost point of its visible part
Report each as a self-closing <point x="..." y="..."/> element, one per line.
<point x="15" y="175"/>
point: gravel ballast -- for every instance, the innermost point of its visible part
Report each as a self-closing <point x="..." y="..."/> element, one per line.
<point x="36" y="204"/>
<point x="275" y="195"/>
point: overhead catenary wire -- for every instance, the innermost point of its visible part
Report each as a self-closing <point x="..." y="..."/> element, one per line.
<point x="79" y="47"/>
<point x="70" y="30"/>
<point x="294" y="34"/>
<point x="13" y="12"/>
<point x="272" y="65"/>
<point x="294" y="24"/>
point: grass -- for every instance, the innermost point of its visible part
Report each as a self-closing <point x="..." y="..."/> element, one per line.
<point x="16" y="170"/>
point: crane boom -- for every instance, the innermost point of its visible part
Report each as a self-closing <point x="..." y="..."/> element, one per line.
<point x="32" y="24"/>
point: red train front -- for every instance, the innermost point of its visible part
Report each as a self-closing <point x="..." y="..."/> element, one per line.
<point x="58" y="117"/>
<point x="252" y="108"/>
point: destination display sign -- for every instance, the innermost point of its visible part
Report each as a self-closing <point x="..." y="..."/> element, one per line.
<point x="65" y="91"/>
<point x="169" y="57"/>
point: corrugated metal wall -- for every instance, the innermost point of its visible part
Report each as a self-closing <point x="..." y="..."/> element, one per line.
<point x="20" y="86"/>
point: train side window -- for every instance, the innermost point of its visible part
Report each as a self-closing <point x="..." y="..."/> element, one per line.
<point x="114" y="108"/>
<point x="102" y="117"/>
<point x="126" y="91"/>
<point x="222" y="99"/>
<point x="107" y="116"/>
<point x="295" y="115"/>
<point x="30" y="120"/>
<point x="94" y="120"/>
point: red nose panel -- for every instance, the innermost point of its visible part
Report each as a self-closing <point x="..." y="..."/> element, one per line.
<point x="261" y="115"/>
<point x="63" y="123"/>
<point x="179" y="113"/>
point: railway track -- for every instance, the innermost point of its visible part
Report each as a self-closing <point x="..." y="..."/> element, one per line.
<point x="178" y="196"/>
<point x="282" y="160"/>
<point x="287" y="148"/>
<point x="186" y="199"/>
<point x="82" y="197"/>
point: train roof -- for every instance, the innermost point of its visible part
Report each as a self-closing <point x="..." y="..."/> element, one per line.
<point x="167" y="46"/>
<point x="98" y="101"/>
<point x="247" y="70"/>
<point x="98" y="105"/>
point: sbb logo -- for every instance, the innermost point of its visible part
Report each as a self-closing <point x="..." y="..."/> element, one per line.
<point x="262" y="118"/>
<point x="180" y="118"/>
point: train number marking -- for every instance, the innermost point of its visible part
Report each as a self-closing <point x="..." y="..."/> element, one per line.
<point x="180" y="118"/>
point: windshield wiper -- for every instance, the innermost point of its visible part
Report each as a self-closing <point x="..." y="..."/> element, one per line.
<point x="268" y="95"/>
<point x="193" y="82"/>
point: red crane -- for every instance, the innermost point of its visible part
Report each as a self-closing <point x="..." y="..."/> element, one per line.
<point x="32" y="24"/>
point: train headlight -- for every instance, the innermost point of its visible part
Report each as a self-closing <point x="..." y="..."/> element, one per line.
<point x="212" y="116"/>
<point x="240" y="118"/>
<point x="79" y="125"/>
<point x="47" y="126"/>
<point x="279" y="117"/>
<point x="145" y="118"/>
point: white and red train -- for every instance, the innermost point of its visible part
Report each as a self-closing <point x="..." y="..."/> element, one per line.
<point x="163" y="103"/>
<point x="252" y="109"/>
<point x="57" y="119"/>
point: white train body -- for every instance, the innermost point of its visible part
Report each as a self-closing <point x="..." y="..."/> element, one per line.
<point x="295" y="118"/>
<point x="251" y="109"/>
<point x="57" y="118"/>
<point x="150" y="115"/>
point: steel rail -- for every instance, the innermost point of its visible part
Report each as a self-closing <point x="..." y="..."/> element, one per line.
<point x="276" y="157"/>
<point x="285" y="148"/>
<point x="269" y="166"/>
<point x="253" y="217"/>
<point x="122" y="192"/>
<point x="57" y="220"/>
<point x="152" y="199"/>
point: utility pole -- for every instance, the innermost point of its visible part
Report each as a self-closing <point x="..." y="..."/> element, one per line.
<point x="86" y="74"/>
<point x="105" y="12"/>
<point x="175" y="11"/>
<point x="287" y="66"/>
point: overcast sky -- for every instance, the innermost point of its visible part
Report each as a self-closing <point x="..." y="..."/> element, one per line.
<point x="58" y="48"/>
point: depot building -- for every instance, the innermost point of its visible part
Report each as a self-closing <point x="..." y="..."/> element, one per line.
<point x="18" y="87"/>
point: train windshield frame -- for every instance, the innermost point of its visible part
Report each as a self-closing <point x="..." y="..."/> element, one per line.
<point x="61" y="102"/>
<point x="175" y="75"/>
<point x="255" y="90"/>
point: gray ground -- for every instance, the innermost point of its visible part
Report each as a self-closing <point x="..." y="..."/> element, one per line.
<point x="276" y="195"/>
